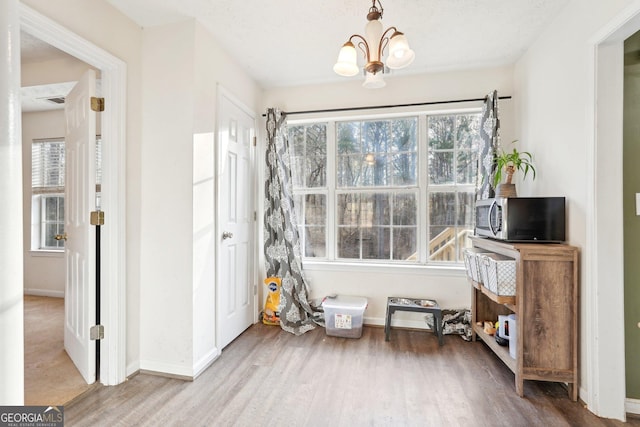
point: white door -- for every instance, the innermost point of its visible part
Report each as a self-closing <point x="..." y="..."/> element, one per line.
<point x="235" y="295"/>
<point x="80" y="189"/>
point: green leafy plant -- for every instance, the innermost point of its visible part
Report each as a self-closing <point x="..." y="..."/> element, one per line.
<point x="510" y="162"/>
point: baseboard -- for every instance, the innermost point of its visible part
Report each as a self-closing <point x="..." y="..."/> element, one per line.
<point x="132" y="369"/>
<point x="397" y="323"/>
<point x="166" y="375"/>
<point x="632" y="406"/>
<point x="44" y="293"/>
<point x="205" y="362"/>
<point x="166" y="370"/>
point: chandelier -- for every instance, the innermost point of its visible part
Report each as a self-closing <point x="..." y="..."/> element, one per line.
<point x="373" y="45"/>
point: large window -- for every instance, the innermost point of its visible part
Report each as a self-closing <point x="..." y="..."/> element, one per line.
<point x="389" y="190"/>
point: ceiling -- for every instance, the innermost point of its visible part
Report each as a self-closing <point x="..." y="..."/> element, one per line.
<point x="41" y="97"/>
<point x="294" y="42"/>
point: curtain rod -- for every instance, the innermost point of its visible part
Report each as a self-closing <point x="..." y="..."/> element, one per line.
<point x="417" y="104"/>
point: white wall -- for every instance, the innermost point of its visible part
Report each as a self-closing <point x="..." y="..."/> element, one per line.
<point x="556" y="87"/>
<point x="44" y="272"/>
<point x="165" y="284"/>
<point x="448" y="286"/>
<point x="178" y="234"/>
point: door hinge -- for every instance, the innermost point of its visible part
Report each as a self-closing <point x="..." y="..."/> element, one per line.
<point x="255" y="289"/>
<point x="97" y="218"/>
<point x="97" y="104"/>
<point x="96" y="332"/>
<point x="255" y="215"/>
<point x="255" y="141"/>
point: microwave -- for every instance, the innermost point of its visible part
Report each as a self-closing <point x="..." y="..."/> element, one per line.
<point x="521" y="219"/>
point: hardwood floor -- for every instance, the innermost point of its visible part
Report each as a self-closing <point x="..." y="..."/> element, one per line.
<point x="50" y="377"/>
<point x="268" y="377"/>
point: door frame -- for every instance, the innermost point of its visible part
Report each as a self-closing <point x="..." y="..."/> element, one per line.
<point x="605" y="340"/>
<point x="113" y="238"/>
<point x="253" y="274"/>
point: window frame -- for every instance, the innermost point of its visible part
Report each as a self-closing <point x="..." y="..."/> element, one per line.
<point x="39" y="219"/>
<point x="330" y="261"/>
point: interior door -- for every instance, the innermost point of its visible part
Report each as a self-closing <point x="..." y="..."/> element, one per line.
<point x="235" y="293"/>
<point x="80" y="188"/>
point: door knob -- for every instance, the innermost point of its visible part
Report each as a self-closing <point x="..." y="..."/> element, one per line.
<point x="60" y="236"/>
<point x="226" y="235"/>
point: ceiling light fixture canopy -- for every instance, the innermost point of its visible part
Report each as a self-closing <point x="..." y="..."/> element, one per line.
<point x="373" y="44"/>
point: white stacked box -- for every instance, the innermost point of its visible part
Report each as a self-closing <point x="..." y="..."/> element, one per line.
<point x="498" y="273"/>
<point x="471" y="263"/>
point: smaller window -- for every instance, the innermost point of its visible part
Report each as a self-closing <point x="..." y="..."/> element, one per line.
<point x="47" y="189"/>
<point x="52" y="221"/>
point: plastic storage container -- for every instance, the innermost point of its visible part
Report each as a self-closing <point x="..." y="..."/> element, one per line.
<point x="344" y="315"/>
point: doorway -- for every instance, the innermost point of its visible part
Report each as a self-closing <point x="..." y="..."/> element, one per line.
<point x="605" y="294"/>
<point x="113" y="194"/>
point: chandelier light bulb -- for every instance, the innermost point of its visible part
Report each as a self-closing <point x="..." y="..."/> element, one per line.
<point x="347" y="64"/>
<point x="400" y="54"/>
<point x="374" y="81"/>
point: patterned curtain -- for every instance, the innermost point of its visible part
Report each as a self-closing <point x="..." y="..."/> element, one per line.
<point x="282" y="245"/>
<point x="489" y="131"/>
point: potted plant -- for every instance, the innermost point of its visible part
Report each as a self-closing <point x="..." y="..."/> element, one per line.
<point x="510" y="162"/>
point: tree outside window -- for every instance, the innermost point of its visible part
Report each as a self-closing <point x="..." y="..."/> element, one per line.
<point x="375" y="206"/>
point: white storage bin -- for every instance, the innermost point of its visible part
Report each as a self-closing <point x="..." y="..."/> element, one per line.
<point x="344" y="316"/>
<point x="471" y="263"/>
<point x="498" y="273"/>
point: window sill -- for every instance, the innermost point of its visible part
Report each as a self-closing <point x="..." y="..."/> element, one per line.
<point x="47" y="253"/>
<point x="457" y="270"/>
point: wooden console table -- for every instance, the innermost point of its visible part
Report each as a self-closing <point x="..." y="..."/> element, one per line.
<point x="546" y="305"/>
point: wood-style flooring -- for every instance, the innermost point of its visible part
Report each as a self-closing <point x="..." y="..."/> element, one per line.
<point x="50" y="377"/>
<point x="268" y="377"/>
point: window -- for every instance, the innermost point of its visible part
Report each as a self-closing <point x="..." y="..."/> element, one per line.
<point x="47" y="184"/>
<point x="383" y="190"/>
<point x="47" y="190"/>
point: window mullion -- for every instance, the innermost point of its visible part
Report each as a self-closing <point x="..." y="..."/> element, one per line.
<point x="423" y="196"/>
<point x="331" y="226"/>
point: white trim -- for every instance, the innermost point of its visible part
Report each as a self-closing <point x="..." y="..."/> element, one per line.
<point x="201" y="365"/>
<point x="113" y="277"/>
<point x="47" y="253"/>
<point x="166" y="369"/>
<point x="632" y="406"/>
<point x="44" y="293"/>
<point x="456" y="270"/>
<point x="399" y="323"/>
<point x="604" y="281"/>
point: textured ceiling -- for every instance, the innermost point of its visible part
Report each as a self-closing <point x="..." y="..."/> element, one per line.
<point x="292" y="42"/>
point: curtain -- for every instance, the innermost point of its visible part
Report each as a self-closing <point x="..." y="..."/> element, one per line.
<point x="490" y="135"/>
<point x="282" y="245"/>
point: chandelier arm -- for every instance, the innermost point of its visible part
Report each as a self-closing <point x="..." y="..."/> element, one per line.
<point x="362" y="44"/>
<point x="384" y="40"/>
